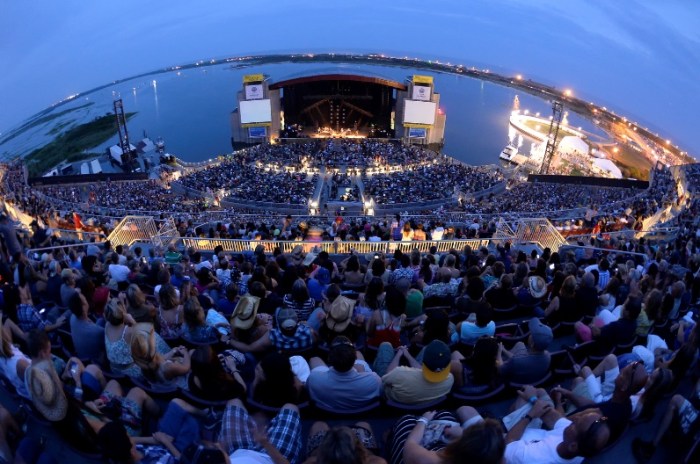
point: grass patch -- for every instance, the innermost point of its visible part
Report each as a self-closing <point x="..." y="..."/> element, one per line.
<point x="59" y="127"/>
<point x="71" y="145"/>
<point x="40" y="120"/>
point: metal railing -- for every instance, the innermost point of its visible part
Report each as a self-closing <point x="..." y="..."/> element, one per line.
<point x="133" y="228"/>
<point x="611" y="251"/>
<point x="72" y="234"/>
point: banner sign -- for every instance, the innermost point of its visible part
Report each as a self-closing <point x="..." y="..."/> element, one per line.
<point x="254" y="92"/>
<point x="249" y="78"/>
<point x="421" y="92"/>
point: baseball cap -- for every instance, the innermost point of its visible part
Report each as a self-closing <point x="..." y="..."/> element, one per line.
<point x="541" y="334"/>
<point x="436" y="361"/>
<point x="286" y="318"/>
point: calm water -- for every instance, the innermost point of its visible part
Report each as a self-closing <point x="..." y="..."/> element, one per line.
<point x="191" y="109"/>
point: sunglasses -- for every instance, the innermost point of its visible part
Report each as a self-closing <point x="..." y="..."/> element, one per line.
<point x="589" y="437"/>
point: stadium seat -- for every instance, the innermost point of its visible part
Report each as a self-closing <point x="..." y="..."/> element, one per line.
<point x="196" y="400"/>
<point x="477" y="394"/>
<point x="514" y="386"/>
<point x="424" y="406"/>
<point x="626" y="347"/>
<point x="358" y="413"/>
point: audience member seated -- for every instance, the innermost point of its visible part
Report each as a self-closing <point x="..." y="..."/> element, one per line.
<point x="564" y="307"/>
<point x="196" y="327"/>
<point x="245" y="441"/>
<point x="439" y="438"/>
<point x="501" y="296"/>
<point x="287" y="335"/>
<point x="216" y="377"/>
<point x="527" y="365"/>
<point x="88" y="337"/>
<point x="537" y="432"/>
<point x="477" y="325"/>
<point x="137" y="305"/>
<point x="276" y="381"/>
<point x="416" y="383"/>
<point x="118" y="325"/>
<point x="385" y="324"/>
<point x="169" y="370"/>
<point x="347" y="382"/>
<point x="355" y="444"/>
<point x="682" y="414"/>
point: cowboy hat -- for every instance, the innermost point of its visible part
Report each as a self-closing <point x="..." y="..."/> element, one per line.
<point x="340" y="313"/>
<point x="243" y="316"/>
<point x="537" y="286"/>
<point x="46" y="391"/>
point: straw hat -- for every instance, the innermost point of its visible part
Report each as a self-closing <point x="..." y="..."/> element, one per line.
<point x="537" y="285"/>
<point x="243" y="316"/>
<point x="46" y="391"/>
<point x="340" y="313"/>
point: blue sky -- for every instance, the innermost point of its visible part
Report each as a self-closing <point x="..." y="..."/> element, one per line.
<point x="638" y="57"/>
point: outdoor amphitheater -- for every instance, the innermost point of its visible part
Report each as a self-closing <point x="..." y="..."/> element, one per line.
<point x="335" y="273"/>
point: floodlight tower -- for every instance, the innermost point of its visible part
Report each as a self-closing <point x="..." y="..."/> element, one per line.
<point x="121" y="127"/>
<point x="557" y="114"/>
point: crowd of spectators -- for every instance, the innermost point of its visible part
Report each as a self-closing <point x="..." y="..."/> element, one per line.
<point x="426" y="182"/>
<point x="132" y="195"/>
<point x="241" y="331"/>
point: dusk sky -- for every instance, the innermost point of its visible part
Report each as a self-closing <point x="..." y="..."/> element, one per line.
<point x="640" y="58"/>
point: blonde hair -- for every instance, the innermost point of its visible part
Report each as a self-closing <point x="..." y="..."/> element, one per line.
<point x="143" y="347"/>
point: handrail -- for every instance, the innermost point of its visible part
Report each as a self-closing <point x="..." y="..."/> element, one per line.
<point x="615" y="251"/>
<point x="51" y="249"/>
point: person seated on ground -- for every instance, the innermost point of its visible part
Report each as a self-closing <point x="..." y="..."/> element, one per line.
<point x="347" y="382"/>
<point x="615" y="403"/>
<point x="477" y="325"/>
<point x="216" y="377"/>
<point x="538" y="433"/>
<point x="354" y="444"/>
<point x="137" y="305"/>
<point x="243" y="439"/>
<point x="276" y="383"/>
<point x="287" y="335"/>
<point x="417" y="383"/>
<point x="178" y="429"/>
<point x="437" y="438"/>
<point x="338" y="314"/>
<point x="619" y="332"/>
<point x="197" y="326"/>
<point x="681" y="413"/>
<point x="501" y="296"/>
<point x="164" y="370"/>
<point x="525" y="365"/>
<point x="564" y="307"/>
<point x="88" y="337"/>
<point x="385" y="324"/>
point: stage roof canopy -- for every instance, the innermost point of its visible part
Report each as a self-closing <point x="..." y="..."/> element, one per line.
<point x="338" y="77"/>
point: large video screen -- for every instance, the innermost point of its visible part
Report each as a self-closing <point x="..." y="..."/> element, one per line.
<point x="256" y="111"/>
<point x="421" y="92"/>
<point x="418" y="112"/>
<point x="254" y="92"/>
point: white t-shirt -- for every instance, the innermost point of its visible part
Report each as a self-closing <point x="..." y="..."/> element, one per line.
<point x="119" y="272"/>
<point x="244" y="456"/>
<point x="540" y="446"/>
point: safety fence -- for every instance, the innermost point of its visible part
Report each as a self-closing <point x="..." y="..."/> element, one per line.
<point x="132" y="229"/>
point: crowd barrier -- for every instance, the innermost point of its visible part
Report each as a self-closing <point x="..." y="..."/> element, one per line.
<point x="335" y="247"/>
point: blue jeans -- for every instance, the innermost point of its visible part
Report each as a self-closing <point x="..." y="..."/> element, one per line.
<point x="180" y="425"/>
